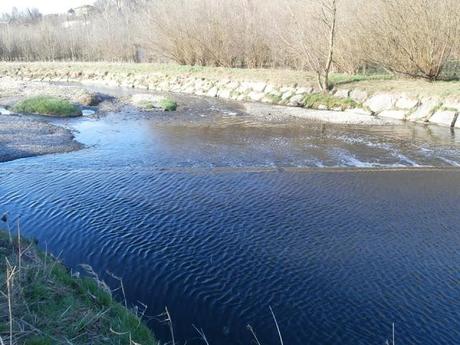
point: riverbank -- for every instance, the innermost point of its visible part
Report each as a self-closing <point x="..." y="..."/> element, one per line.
<point x="27" y="136"/>
<point x="379" y="96"/>
<point x="43" y="303"/>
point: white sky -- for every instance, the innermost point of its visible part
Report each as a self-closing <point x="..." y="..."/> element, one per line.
<point x="45" y="6"/>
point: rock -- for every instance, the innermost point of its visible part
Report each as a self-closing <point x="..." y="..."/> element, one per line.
<point x="322" y="107"/>
<point x="189" y="90"/>
<point x="358" y="95"/>
<point x="359" y="111"/>
<point x="444" y="118"/>
<point x="342" y="93"/>
<point x="287" y="89"/>
<point x="425" y="110"/>
<point x="286" y="95"/>
<point x="275" y="93"/>
<point x="212" y="92"/>
<point x="296" y="100"/>
<point x="241" y="97"/>
<point x="303" y="91"/>
<point x="232" y="85"/>
<point x="406" y="103"/>
<point x="394" y="114"/>
<point x="269" y="89"/>
<point x="381" y="102"/>
<point x="252" y="86"/>
<point x="451" y="103"/>
<point x="268" y="100"/>
<point x="245" y="87"/>
<point x="256" y="96"/>
<point x="224" y="93"/>
<point x="89" y="99"/>
<point x="259" y="87"/>
<point x="457" y="122"/>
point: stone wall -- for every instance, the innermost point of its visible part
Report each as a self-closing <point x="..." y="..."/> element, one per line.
<point x="430" y="110"/>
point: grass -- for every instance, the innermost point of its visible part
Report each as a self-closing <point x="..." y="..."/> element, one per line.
<point x="163" y="103"/>
<point x="317" y="100"/>
<point x="168" y="104"/>
<point x="50" y="306"/>
<point x="47" y="105"/>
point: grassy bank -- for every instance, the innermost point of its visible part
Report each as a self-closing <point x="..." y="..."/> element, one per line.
<point x="370" y="83"/>
<point x="41" y="303"/>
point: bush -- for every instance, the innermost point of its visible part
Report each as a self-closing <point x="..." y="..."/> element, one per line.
<point x="46" y="105"/>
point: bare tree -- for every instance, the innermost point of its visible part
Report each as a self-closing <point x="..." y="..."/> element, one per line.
<point x="329" y="10"/>
<point x="309" y="34"/>
<point x="415" y="38"/>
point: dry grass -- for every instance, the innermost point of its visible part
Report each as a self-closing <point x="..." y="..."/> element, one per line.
<point x="278" y="77"/>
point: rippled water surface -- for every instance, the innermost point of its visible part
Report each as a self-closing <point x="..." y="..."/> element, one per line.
<point x="218" y="215"/>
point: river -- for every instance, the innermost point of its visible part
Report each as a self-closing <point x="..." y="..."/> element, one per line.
<point x="219" y="215"/>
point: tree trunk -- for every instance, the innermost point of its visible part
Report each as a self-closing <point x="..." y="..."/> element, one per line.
<point x="330" y="56"/>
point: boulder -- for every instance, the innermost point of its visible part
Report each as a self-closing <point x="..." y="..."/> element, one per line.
<point x="275" y="93"/>
<point x="296" y="100"/>
<point x="212" y="92"/>
<point x="256" y="96"/>
<point x="358" y="95"/>
<point x="89" y="99"/>
<point x="394" y="114"/>
<point x="381" y="102"/>
<point x="451" y="103"/>
<point x="407" y="103"/>
<point x="342" y="93"/>
<point x="286" y="95"/>
<point x="268" y="100"/>
<point x="425" y="110"/>
<point x="457" y="122"/>
<point x="252" y="86"/>
<point x="224" y="93"/>
<point x="444" y="118"/>
<point x="285" y="89"/>
<point x="259" y="86"/>
<point x="232" y="85"/>
<point x="303" y="91"/>
<point x="359" y="111"/>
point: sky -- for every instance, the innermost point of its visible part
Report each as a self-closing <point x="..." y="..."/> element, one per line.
<point x="45" y="6"/>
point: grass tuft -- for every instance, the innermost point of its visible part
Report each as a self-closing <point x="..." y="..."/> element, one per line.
<point x="44" y="304"/>
<point x="47" y="105"/>
<point x="318" y="100"/>
<point x="168" y="104"/>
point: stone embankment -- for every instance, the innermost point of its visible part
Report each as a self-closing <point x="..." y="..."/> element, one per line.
<point x="428" y="110"/>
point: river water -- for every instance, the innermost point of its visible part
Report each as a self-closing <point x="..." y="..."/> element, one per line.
<point x="218" y="215"/>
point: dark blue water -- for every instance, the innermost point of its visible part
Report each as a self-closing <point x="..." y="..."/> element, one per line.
<point x="218" y="216"/>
